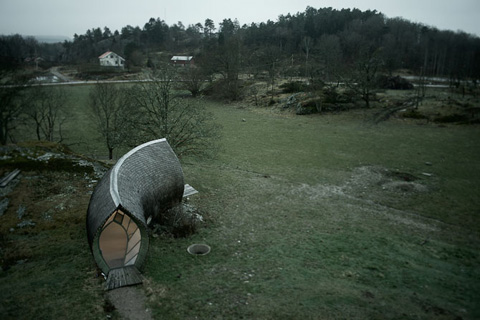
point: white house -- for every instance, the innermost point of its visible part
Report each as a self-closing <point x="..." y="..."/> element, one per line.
<point x="111" y="59"/>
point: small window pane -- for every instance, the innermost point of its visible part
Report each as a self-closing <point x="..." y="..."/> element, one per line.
<point x="131" y="262"/>
<point x="126" y="220"/>
<point x="133" y="252"/>
<point x="134" y="239"/>
<point x="119" y="217"/>
<point x="132" y="227"/>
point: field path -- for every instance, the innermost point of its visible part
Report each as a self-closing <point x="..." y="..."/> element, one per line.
<point x="58" y="74"/>
<point x="130" y="303"/>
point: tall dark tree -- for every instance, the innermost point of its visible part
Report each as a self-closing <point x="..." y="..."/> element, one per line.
<point x="155" y="31"/>
<point x="193" y="35"/>
<point x="209" y="27"/>
<point x="11" y="102"/>
<point x="364" y="77"/>
<point x="106" y="33"/>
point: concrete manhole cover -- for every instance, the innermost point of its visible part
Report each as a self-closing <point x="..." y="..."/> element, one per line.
<point x="198" y="249"/>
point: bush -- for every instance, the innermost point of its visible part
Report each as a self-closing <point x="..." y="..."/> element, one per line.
<point x="293" y="87"/>
<point x="225" y="89"/>
<point x="414" y="114"/>
<point x="394" y="83"/>
<point x="330" y="95"/>
<point x="309" y="106"/>
<point x="178" y="222"/>
<point x="452" y="118"/>
<point x="315" y="84"/>
<point x="97" y="72"/>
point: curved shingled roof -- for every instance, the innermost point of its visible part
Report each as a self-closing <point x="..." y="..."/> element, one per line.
<point x="143" y="183"/>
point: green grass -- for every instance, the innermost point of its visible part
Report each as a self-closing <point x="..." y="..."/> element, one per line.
<point x="290" y="240"/>
<point x="300" y="223"/>
<point x="80" y="133"/>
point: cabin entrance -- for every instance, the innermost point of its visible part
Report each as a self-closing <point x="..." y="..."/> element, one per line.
<point x="120" y="240"/>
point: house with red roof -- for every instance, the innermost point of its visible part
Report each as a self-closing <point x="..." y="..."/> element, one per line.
<point x="182" y="61"/>
<point x="111" y="59"/>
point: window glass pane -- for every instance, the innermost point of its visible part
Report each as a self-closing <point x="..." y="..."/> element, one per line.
<point x="131" y="262"/>
<point x="134" y="239"/>
<point x="134" y="252"/>
<point x="126" y="220"/>
<point x="119" y="217"/>
<point x="132" y="228"/>
<point x="113" y="245"/>
<point x="110" y="219"/>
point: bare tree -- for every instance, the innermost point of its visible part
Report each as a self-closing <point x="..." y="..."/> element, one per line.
<point x="45" y="107"/>
<point x="193" y="80"/>
<point x="271" y="57"/>
<point x="307" y="44"/>
<point x="184" y="123"/>
<point x="11" y="106"/>
<point x="421" y="88"/>
<point x="114" y="120"/>
<point x="364" y="77"/>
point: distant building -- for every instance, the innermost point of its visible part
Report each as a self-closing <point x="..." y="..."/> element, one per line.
<point x="182" y="61"/>
<point x="111" y="59"/>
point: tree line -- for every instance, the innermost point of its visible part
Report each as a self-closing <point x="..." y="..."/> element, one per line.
<point x="322" y="41"/>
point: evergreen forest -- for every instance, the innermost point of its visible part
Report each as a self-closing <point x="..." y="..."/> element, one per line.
<point x="324" y="43"/>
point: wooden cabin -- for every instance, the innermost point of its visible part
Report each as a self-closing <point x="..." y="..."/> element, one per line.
<point x="143" y="184"/>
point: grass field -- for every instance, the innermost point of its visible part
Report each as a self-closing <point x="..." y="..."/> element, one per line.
<point x="305" y="222"/>
<point x="308" y="217"/>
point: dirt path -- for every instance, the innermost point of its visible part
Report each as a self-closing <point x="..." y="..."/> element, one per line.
<point x="56" y="72"/>
<point x="130" y="303"/>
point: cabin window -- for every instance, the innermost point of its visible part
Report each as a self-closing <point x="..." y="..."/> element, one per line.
<point x="118" y="217"/>
<point x="120" y="240"/>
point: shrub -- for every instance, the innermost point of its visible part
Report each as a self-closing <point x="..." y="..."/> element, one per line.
<point x="414" y="114"/>
<point x="394" y="83"/>
<point x="293" y="87"/>
<point x="452" y="118"/>
<point x="178" y="222"/>
<point x="330" y="95"/>
<point x="315" y="84"/>
<point x="309" y="106"/>
<point x="225" y="89"/>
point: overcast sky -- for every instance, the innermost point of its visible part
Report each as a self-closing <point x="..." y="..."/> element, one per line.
<point x="67" y="17"/>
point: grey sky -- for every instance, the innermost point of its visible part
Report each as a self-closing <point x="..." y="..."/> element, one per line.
<point x="67" y="17"/>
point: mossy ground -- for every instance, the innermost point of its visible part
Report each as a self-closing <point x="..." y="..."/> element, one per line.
<point x="46" y="266"/>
